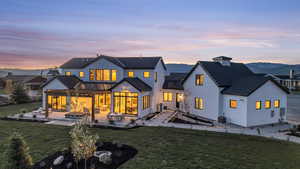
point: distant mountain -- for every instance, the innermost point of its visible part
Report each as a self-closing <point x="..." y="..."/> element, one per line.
<point x="179" y="68"/>
<point x="274" y="68"/>
<point x="4" y="72"/>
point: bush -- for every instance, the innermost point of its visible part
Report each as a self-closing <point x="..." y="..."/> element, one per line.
<point x="17" y="154"/>
<point x="23" y="110"/>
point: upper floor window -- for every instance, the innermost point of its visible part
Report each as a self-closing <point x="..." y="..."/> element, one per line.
<point x="199" y="80"/>
<point x="277" y="103"/>
<point x="113" y="75"/>
<point x="146" y="74"/>
<point x="268" y="104"/>
<point x="92" y="74"/>
<point x="168" y="96"/>
<point x="81" y="74"/>
<point x="103" y="74"/>
<point x="68" y="73"/>
<point x="199" y="103"/>
<point x="155" y="76"/>
<point x="233" y="104"/>
<point x="258" y="105"/>
<point x="130" y="74"/>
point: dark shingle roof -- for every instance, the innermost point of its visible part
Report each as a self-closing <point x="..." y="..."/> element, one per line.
<point x="124" y="62"/>
<point x="247" y="85"/>
<point x="95" y="86"/>
<point x="136" y="83"/>
<point x="37" y="79"/>
<point x="174" y="81"/>
<point x="225" y="75"/>
<point x="69" y="81"/>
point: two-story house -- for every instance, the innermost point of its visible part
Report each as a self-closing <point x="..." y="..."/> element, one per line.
<point x="231" y="90"/>
<point x="98" y="86"/>
<point x="137" y="86"/>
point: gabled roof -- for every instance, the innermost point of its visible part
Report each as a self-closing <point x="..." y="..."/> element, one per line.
<point x="69" y="81"/>
<point x="37" y="79"/>
<point x="136" y="83"/>
<point x="174" y="81"/>
<point x="247" y="85"/>
<point x="223" y="76"/>
<point x="95" y="86"/>
<point x="124" y="62"/>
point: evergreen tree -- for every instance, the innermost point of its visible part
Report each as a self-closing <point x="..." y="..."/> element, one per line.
<point x="19" y="94"/>
<point x="17" y="154"/>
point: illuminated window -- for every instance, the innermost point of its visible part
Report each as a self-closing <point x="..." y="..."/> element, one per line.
<point x="268" y="104"/>
<point x="126" y="103"/>
<point x="233" y="104"/>
<point x="57" y="103"/>
<point x="106" y="74"/>
<point x="113" y="75"/>
<point x="81" y="74"/>
<point x="199" y="103"/>
<point x="155" y="76"/>
<point x="68" y="73"/>
<point x="146" y="102"/>
<point x="102" y="101"/>
<point x="277" y="103"/>
<point x="130" y="74"/>
<point x="258" y="105"/>
<point x="146" y="74"/>
<point x="92" y="74"/>
<point x="199" y="80"/>
<point x="167" y="96"/>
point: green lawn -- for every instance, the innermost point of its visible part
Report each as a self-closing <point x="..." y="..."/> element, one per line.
<point x="14" y="109"/>
<point x="168" y="148"/>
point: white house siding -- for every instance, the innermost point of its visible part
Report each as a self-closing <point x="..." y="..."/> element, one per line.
<point x="125" y="86"/>
<point x="53" y="85"/>
<point x="235" y="115"/>
<point x="157" y="97"/>
<point x="210" y="93"/>
<point x="268" y="91"/>
<point x="99" y="64"/>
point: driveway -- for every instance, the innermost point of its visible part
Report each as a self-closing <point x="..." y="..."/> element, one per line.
<point x="293" y="113"/>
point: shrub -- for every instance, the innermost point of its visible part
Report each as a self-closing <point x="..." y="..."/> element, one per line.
<point x="83" y="144"/>
<point x="17" y="154"/>
<point x="23" y="110"/>
<point x="112" y="122"/>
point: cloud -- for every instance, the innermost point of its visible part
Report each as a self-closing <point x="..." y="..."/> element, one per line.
<point x="242" y="43"/>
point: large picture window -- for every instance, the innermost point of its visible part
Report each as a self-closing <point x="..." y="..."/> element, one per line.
<point x="57" y="103"/>
<point x="103" y="74"/>
<point x="168" y="96"/>
<point x="199" y="103"/>
<point x="146" y="102"/>
<point x="126" y="103"/>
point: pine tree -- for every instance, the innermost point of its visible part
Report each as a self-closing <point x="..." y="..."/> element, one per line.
<point x="19" y="94"/>
<point x="17" y="153"/>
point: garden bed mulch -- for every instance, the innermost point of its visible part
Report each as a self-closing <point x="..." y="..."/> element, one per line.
<point x="120" y="154"/>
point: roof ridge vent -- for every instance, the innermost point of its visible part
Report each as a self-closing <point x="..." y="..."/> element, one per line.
<point x="223" y="60"/>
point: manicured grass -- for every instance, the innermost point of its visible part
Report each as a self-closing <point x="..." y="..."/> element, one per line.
<point x="168" y="148"/>
<point x="14" y="109"/>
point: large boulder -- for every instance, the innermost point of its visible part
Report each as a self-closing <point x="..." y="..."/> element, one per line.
<point x="58" y="160"/>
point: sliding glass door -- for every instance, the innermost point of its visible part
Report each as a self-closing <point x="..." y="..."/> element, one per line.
<point x="57" y="103"/>
<point x="126" y="103"/>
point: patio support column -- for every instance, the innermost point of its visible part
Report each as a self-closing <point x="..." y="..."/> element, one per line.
<point x="93" y="108"/>
<point x="46" y="105"/>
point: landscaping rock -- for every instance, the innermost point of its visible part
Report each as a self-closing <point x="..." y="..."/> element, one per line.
<point x="42" y="164"/>
<point x="58" y="160"/>
<point x="69" y="165"/>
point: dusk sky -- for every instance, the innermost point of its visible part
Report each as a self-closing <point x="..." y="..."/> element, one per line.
<point x="40" y="33"/>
